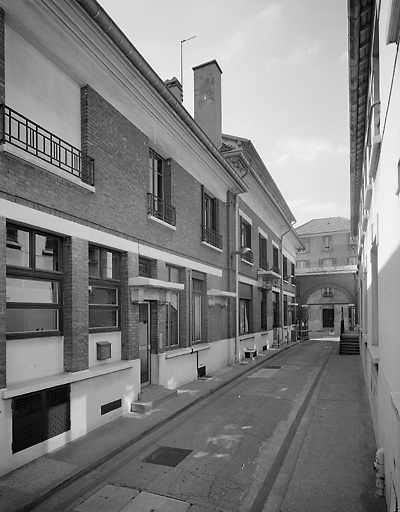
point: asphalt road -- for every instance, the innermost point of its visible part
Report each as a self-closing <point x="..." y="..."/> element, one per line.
<point x="226" y="453"/>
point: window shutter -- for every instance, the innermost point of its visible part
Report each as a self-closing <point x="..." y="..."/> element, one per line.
<point x="321" y="263"/>
<point x="334" y="262"/>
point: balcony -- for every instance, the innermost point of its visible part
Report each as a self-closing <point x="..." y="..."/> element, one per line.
<point x="247" y="256"/>
<point x="211" y="237"/>
<point x="21" y="132"/>
<point x="263" y="263"/>
<point x="160" y="210"/>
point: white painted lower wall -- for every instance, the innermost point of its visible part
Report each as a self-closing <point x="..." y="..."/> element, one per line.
<point x="89" y="391"/>
<point x="179" y="367"/>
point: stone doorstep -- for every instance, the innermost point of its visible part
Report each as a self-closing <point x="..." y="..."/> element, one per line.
<point x="152" y="396"/>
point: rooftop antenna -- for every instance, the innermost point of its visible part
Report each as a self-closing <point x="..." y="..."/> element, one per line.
<point x="183" y="41"/>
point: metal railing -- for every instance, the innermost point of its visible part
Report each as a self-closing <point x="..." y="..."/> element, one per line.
<point x="248" y="256"/>
<point x="264" y="263"/>
<point x="23" y="133"/>
<point x="161" y="210"/>
<point x="211" y="237"/>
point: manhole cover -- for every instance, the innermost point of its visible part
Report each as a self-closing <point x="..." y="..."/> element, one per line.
<point x="165" y="456"/>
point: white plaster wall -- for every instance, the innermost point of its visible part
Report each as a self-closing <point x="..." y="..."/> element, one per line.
<point x="87" y="397"/>
<point x="49" y="98"/>
<point x="34" y="358"/>
<point x="114" y="338"/>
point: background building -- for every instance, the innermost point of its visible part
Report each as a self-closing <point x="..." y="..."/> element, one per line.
<point x="374" y="31"/>
<point x="326" y="275"/>
<point x="131" y="237"/>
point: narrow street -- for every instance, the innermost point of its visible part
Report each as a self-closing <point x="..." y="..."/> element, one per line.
<point x="236" y="450"/>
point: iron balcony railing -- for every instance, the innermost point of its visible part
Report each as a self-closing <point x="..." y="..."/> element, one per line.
<point x="23" y="133"/>
<point x="248" y="256"/>
<point x="264" y="263"/>
<point x="161" y="210"/>
<point x="211" y="237"/>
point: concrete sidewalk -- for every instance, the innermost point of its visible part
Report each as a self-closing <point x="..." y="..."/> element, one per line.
<point x="26" y="487"/>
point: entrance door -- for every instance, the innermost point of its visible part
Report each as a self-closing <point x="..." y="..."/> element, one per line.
<point x="144" y="343"/>
<point x="328" y="318"/>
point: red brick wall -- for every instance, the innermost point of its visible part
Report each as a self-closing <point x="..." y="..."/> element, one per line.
<point x="76" y="307"/>
<point x="129" y="311"/>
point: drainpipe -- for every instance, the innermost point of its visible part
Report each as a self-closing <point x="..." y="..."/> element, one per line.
<point x="281" y="287"/>
<point x="237" y="255"/>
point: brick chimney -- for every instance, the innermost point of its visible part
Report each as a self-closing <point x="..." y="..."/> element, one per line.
<point x="175" y="87"/>
<point x="208" y="101"/>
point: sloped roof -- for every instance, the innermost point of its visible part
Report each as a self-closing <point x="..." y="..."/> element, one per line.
<point x="327" y="225"/>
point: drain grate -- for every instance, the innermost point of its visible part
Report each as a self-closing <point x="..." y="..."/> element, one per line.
<point x="165" y="456"/>
<point x="275" y="367"/>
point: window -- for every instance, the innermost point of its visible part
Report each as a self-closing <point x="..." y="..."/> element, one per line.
<point x="210" y="220"/>
<point x="327" y="262"/>
<point x="104" y="288"/>
<point x="352" y="243"/>
<point x="275" y="259"/>
<point x="244" y="316"/>
<point x="285" y="310"/>
<point x="263" y="252"/>
<point x="264" y="310"/>
<point x="34" y="283"/>
<point x="303" y="264"/>
<point x="245" y="240"/>
<point x="159" y="197"/>
<point x="285" y="269"/>
<point x="275" y="307"/>
<point x="39" y="416"/>
<point x="327" y="243"/>
<point x="306" y="243"/>
<point x="173" y="310"/>
<point x="144" y="267"/>
<point x="197" y="288"/>
<point x="245" y="294"/>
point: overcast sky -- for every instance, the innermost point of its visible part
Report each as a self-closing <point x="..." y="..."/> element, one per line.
<point x="284" y="82"/>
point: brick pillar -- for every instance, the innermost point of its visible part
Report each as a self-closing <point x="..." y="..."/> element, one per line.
<point x="76" y="306"/>
<point x="129" y="311"/>
<point x="3" y="360"/>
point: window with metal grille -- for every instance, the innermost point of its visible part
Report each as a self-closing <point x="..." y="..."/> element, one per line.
<point x="39" y="416"/>
<point x="34" y="283"/>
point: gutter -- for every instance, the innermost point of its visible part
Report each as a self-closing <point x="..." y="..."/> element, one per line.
<point x="103" y="20"/>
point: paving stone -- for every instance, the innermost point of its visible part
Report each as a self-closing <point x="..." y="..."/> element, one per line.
<point x="110" y="498"/>
<point x="148" y="502"/>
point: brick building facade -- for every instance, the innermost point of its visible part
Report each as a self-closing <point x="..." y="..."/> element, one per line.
<point x="137" y="245"/>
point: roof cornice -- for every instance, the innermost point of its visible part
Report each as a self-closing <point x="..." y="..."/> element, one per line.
<point x="360" y="20"/>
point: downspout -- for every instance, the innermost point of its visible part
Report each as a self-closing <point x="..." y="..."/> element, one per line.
<point x="237" y="255"/>
<point x="281" y="287"/>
